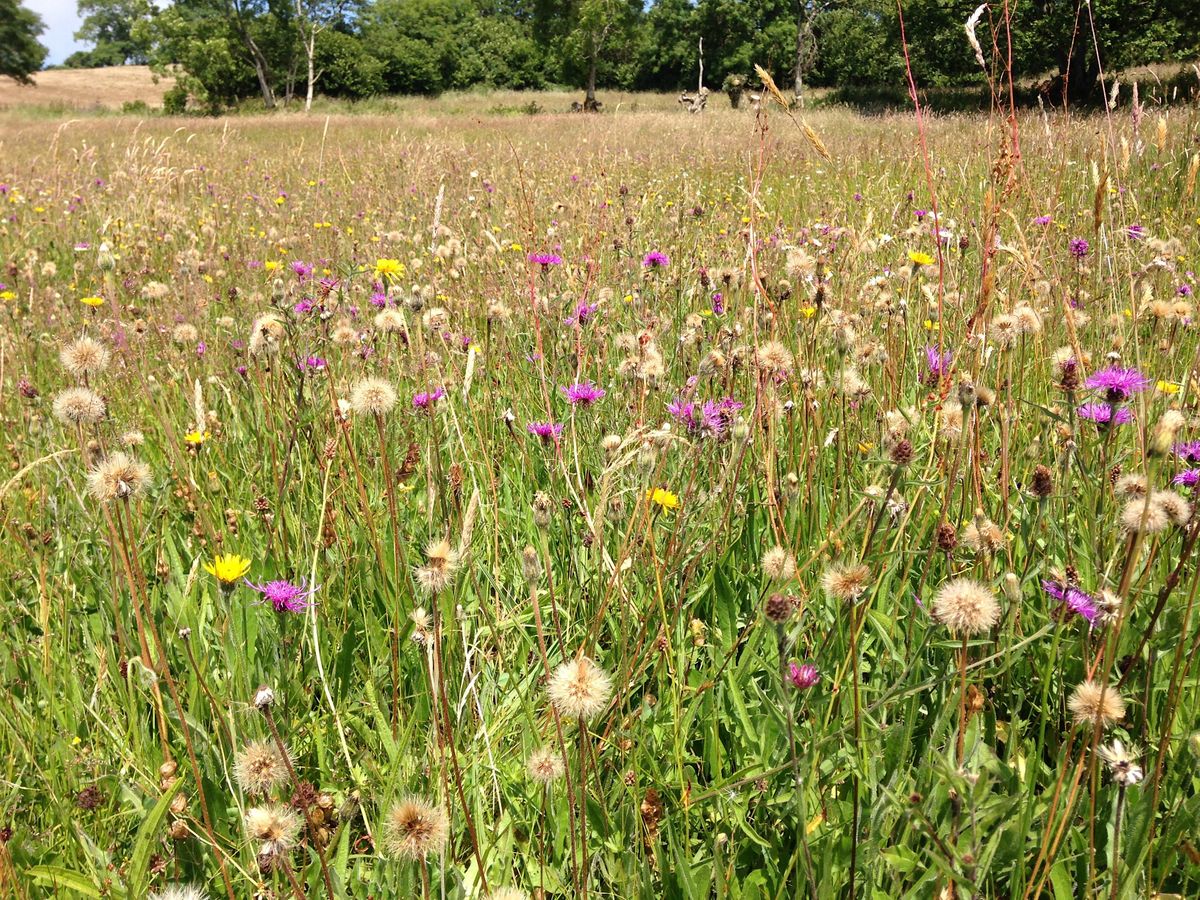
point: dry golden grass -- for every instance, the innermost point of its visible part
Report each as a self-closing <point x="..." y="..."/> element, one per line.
<point x="108" y="88"/>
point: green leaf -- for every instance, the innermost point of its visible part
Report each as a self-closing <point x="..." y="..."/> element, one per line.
<point x="147" y="839"/>
<point x="58" y="877"/>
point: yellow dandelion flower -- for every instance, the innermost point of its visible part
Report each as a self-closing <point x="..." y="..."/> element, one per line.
<point x="271" y="265"/>
<point x="227" y="568"/>
<point x="1167" y="387"/>
<point x="92" y="301"/>
<point x="664" y="498"/>
<point x="7" y="295"/>
<point x="196" y="438"/>
<point x="389" y="268"/>
<point x="808" y="311"/>
<point x="920" y="259"/>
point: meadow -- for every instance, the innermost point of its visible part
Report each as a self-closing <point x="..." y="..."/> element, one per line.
<point x="462" y="504"/>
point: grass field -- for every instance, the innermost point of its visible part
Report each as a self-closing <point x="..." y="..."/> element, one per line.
<point x="462" y="504"/>
<point x="87" y="89"/>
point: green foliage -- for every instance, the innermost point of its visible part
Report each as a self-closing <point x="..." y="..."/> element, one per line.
<point x="21" y="54"/>
<point x="347" y="69"/>
<point x="112" y="26"/>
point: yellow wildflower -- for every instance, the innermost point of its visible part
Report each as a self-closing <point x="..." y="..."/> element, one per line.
<point x="389" y="268"/>
<point x="196" y="438"/>
<point x="920" y="259"/>
<point x="227" y="568"/>
<point x="664" y="498"/>
<point x="92" y="301"/>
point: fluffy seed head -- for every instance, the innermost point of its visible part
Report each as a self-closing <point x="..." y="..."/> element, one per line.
<point x="966" y="606"/>
<point x="1148" y="518"/>
<point x="118" y="477"/>
<point x="84" y="356"/>
<point x="180" y="892"/>
<point x="1122" y="763"/>
<point x="78" y="406"/>
<point x="372" y="397"/>
<point x="1091" y="703"/>
<point x="545" y="765"/>
<point x="579" y="689"/>
<point x="259" y="767"/>
<point x="1174" y="507"/>
<point x="266" y="335"/>
<point x="845" y="581"/>
<point x="415" y="829"/>
<point x="441" y="562"/>
<point x="778" y="564"/>
<point x="773" y="356"/>
<point x="277" y="826"/>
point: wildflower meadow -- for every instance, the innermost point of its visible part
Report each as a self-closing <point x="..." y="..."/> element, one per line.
<point x="762" y="504"/>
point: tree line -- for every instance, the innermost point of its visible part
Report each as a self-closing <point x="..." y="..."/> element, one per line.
<point x="224" y="51"/>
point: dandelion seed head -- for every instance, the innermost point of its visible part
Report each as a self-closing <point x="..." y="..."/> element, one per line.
<point x="966" y="607"/>
<point x="83" y="357"/>
<point x="259" y="768"/>
<point x="78" y="406"/>
<point x="415" y="829"/>
<point x="372" y="397"/>
<point x="579" y="689"/>
<point x="1091" y="702"/>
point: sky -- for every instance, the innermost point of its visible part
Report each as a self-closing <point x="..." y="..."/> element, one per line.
<point x="62" y="20"/>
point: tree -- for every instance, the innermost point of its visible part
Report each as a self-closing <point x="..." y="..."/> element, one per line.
<point x="109" y="25"/>
<point x="312" y="18"/>
<point x="21" y="54"/>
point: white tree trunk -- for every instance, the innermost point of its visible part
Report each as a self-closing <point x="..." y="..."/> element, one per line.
<point x="311" y="52"/>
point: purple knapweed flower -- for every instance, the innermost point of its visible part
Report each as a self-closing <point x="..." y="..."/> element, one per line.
<point x="1184" y="290"/>
<point x="426" y="399"/>
<point x="1188" y="451"/>
<point x="1079" y="247"/>
<point x="1102" y="414"/>
<point x="583" y="393"/>
<point x="803" y="676"/>
<point x="547" y="431"/>
<point x="200" y="348"/>
<point x="937" y="363"/>
<point x="1187" y="478"/>
<point x="655" y="260"/>
<point x="1077" y="601"/>
<point x="285" y="596"/>
<point x="302" y="269"/>
<point x="1118" y="384"/>
<point x="545" y="260"/>
<point x="583" y="312"/>
<point x="718" y="303"/>
<point x="1042" y="220"/>
<point x="1135" y="232"/>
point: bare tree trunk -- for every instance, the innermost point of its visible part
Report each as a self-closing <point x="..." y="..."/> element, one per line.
<point x="589" y="99"/>
<point x="311" y="51"/>
<point x="261" y="69"/>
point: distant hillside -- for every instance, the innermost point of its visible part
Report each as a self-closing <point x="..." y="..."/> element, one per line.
<point x="87" y="88"/>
